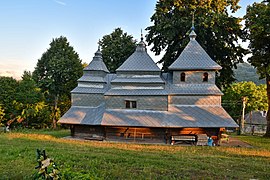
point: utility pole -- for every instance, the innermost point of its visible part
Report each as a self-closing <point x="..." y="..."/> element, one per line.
<point x="242" y="121"/>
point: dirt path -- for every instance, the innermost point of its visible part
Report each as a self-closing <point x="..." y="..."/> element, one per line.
<point x="234" y="142"/>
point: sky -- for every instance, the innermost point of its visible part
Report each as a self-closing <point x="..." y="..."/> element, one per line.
<point x="28" y="26"/>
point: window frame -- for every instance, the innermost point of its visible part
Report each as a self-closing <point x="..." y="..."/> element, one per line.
<point x="183" y="77"/>
<point x="205" y="77"/>
<point x="131" y="104"/>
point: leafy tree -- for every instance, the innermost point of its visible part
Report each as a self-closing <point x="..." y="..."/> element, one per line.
<point x="218" y="32"/>
<point x="28" y="91"/>
<point x="8" y="93"/>
<point x="22" y="102"/>
<point x="258" y="27"/>
<point x="84" y="64"/>
<point x="255" y="99"/>
<point x="29" y="101"/>
<point x="116" y="48"/>
<point x="57" y="72"/>
<point x="2" y="114"/>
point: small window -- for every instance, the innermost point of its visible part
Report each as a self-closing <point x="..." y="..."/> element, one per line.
<point x="205" y="77"/>
<point x="264" y="113"/>
<point x="131" y="104"/>
<point x="183" y="77"/>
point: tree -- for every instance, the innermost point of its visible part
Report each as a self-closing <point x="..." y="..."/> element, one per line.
<point x="57" y="71"/>
<point x="28" y="92"/>
<point x="29" y="101"/>
<point x="2" y="114"/>
<point x="8" y="91"/>
<point x="258" y="33"/>
<point x="116" y="48"/>
<point x="244" y="97"/>
<point x="22" y="102"/>
<point x="218" y="32"/>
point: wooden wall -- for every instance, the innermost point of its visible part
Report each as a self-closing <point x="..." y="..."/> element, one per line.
<point x="132" y="134"/>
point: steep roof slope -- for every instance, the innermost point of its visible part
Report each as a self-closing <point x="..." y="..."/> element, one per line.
<point x="97" y="63"/>
<point x="194" y="57"/>
<point x="139" y="61"/>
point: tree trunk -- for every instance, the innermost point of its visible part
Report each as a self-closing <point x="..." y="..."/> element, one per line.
<point x="55" y="111"/>
<point x="267" y="134"/>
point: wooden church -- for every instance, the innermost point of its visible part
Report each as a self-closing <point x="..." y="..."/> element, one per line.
<point x="140" y="103"/>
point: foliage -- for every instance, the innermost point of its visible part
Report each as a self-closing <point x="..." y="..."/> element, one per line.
<point x="257" y="26"/>
<point x="22" y="103"/>
<point x="218" y="32"/>
<point x="47" y="171"/>
<point x="31" y="115"/>
<point x="107" y="160"/>
<point x="116" y="48"/>
<point x="256" y="98"/>
<point x="258" y="33"/>
<point x="57" y="72"/>
<point x="28" y="92"/>
<point x="59" y="68"/>
<point x="8" y="92"/>
<point x="2" y="114"/>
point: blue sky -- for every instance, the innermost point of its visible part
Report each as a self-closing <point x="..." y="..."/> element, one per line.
<point x="28" y="26"/>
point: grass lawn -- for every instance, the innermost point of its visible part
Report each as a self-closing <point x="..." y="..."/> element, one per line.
<point x="105" y="160"/>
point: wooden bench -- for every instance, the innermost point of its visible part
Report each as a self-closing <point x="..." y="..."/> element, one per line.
<point x="202" y="140"/>
<point x="188" y="139"/>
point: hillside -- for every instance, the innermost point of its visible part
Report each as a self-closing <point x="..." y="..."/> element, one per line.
<point x="246" y="72"/>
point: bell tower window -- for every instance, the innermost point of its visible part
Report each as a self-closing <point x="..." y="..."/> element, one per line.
<point x="205" y="77"/>
<point x="183" y="77"/>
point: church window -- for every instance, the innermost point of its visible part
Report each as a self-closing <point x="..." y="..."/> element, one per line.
<point x="183" y="77"/>
<point x="205" y="77"/>
<point x="131" y="104"/>
<point x="264" y="113"/>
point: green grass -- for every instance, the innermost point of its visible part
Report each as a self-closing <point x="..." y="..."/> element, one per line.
<point x="104" y="160"/>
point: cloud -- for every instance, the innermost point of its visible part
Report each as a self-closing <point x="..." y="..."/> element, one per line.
<point x="60" y="2"/>
<point x="14" y="74"/>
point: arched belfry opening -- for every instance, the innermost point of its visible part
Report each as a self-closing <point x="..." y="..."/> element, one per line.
<point x="183" y="77"/>
<point x="205" y="77"/>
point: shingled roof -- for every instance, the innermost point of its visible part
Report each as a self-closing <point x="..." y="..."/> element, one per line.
<point x="97" y="63"/>
<point x="194" y="57"/>
<point x="194" y="89"/>
<point x="179" y="116"/>
<point x="139" y="60"/>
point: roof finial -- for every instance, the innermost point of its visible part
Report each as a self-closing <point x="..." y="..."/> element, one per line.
<point x="141" y="45"/>
<point x="192" y="34"/>
<point x="141" y="35"/>
<point x="192" y="27"/>
<point x="99" y="45"/>
<point x="98" y="53"/>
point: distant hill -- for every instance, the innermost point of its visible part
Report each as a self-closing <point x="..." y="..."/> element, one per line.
<point x="246" y="72"/>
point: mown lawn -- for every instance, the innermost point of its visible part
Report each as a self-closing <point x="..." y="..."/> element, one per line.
<point x="105" y="160"/>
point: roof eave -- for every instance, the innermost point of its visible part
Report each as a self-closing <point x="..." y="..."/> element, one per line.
<point x="136" y="70"/>
<point x="195" y="69"/>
